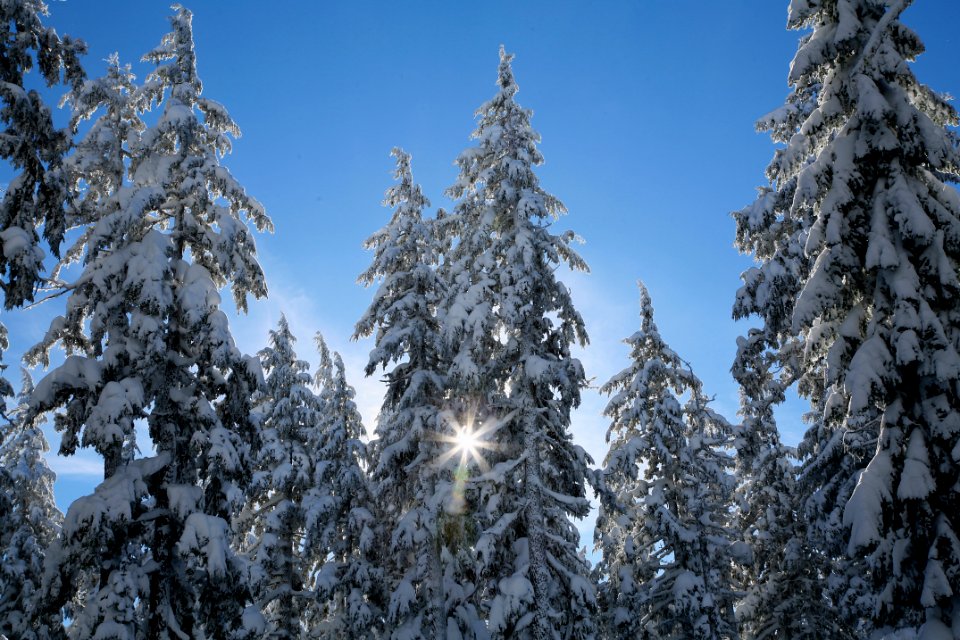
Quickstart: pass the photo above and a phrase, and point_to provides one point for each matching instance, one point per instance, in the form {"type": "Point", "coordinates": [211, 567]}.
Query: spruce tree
{"type": "Point", "coordinates": [155, 535]}
{"type": "Point", "coordinates": [35, 196]}
{"type": "Point", "coordinates": [780, 574]}
{"type": "Point", "coordinates": [781, 514]}
{"type": "Point", "coordinates": [664, 523]}
{"type": "Point", "coordinates": [282, 488]}
{"type": "Point", "coordinates": [509, 325]}
{"type": "Point", "coordinates": [101, 193]}
{"type": "Point", "coordinates": [408, 483]}
{"type": "Point", "coordinates": [30, 521]}
{"type": "Point", "coordinates": [340, 530]}
{"type": "Point", "coordinates": [864, 176]}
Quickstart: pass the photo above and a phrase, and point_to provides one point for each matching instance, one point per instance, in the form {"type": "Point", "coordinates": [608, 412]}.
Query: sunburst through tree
{"type": "Point", "coordinates": [467, 439]}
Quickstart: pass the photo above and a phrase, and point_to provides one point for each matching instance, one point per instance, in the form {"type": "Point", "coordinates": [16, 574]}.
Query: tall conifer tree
{"type": "Point", "coordinates": [30, 522]}
{"type": "Point", "coordinates": [341, 531]}
{"type": "Point", "coordinates": [509, 325]}
{"type": "Point", "coordinates": [664, 524]}
{"type": "Point", "coordinates": [409, 483]}
{"type": "Point", "coordinates": [157, 530]}
{"type": "Point", "coordinates": [33, 199]}
{"type": "Point", "coordinates": [283, 490]}
{"type": "Point", "coordinates": [873, 269]}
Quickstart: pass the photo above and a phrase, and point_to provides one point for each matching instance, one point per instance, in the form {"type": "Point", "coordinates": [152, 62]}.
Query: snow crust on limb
{"type": "Point", "coordinates": [864, 178]}
{"type": "Point", "coordinates": [166, 229]}
{"type": "Point", "coordinates": [508, 325]}
{"type": "Point", "coordinates": [664, 527]}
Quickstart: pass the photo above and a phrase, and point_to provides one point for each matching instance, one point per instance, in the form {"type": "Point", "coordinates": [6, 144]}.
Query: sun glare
{"type": "Point", "coordinates": [469, 439]}
{"type": "Point", "coordinates": [466, 441]}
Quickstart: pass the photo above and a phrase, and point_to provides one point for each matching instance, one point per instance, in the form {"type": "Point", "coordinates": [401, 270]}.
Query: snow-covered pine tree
{"type": "Point", "coordinates": [283, 481]}
{"type": "Point", "coordinates": [408, 483]}
{"type": "Point", "coordinates": [780, 575]}
{"type": "Point", "coordinates": [510, 324]}
{"type": "Point", "coordinates": [664, 523]}
{"type": "Point", "coordinates": [30, 522]}
{"type": "Point", "coordinates": [158, 347]}
{"type": "Point", "coordinates": [99, 413]}
{"type": "Point", "coordinates": [780, 516]}
{"type": "Point", "coordinates": [876, 311]}
{"type": "Point", "coordinates": [35, 197]}
{"type": "Point", "coordinates": [341, 531]}
{"type": "Point", "coordinates": [97, 174]}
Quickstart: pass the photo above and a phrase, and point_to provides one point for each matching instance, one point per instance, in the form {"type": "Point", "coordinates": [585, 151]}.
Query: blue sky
{"type": "Point", "coordinates": [646, 108]}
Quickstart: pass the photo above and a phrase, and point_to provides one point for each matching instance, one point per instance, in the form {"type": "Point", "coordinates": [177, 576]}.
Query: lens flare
{"type": "Point", "coordinates": [467, 439]}
{"type": "Point", "coordinates": [467, 443]}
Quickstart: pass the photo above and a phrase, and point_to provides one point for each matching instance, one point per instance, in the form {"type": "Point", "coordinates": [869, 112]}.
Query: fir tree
{"type": "Point", "coordinates": [283, 483]}
{"type": "Point", "coordinates": [340, 524]}
{"type": "Point", "coordinates": [781, 516]}
{"type": "Point", "coordinates": [31, 144]}
{"type": "Point", "coordinates": [34, 198]}
{"type": "Point", "coordinates": [407, 480]}
{"type": "Point", "coordinates": [780, 574]}
{"type": "Point", "coordinates": [30, 522]}
{"type": "Point", "coordinates": [159, 348]}
{"type": "Point", "coordinates": [866, 167]}
{"type": "Point", "coordinates": [509, 325]}
{"type": "Point", "coordinates": [664, 525]}
{"type": "Point", "coordinates": [97, 172]}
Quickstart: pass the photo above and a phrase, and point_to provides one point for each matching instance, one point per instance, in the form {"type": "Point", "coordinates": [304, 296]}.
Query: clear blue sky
{"type": "Point", "coordinates": [646, 108]}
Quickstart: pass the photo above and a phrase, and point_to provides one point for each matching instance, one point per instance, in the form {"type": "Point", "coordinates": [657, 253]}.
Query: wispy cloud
{"type": "Point", "coordinates": [80, 465]}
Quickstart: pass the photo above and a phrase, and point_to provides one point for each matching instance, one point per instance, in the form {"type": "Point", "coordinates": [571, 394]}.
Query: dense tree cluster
{"type": "Point", "coordinates": [242, 498]}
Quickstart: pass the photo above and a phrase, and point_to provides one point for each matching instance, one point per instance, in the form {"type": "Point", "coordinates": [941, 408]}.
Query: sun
{"type": "Point", "coordinates": [470, 438]}
{"type": "Point", "coordinates": [466, 441]}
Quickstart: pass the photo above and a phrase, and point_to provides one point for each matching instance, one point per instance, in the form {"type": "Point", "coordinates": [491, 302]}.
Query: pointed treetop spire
{"type": "Point", "coordinates": [403, 163]}
{"type": "Point", "coordinates": [325, 369]}
{"type": "Point", "coordinates": [178, 44]}
{"type": "Point", "coordinates": [646, 308]}
{"type": "Point", "coordinates": [283, 327]}
{"type": "Point", "coordinates": [505, 73]}
{"type": "Point", "coordinates": [406, 191]}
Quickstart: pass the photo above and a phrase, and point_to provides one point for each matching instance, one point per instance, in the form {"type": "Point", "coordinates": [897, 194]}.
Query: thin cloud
{"type": "Point", "coordinates": [76, 466]}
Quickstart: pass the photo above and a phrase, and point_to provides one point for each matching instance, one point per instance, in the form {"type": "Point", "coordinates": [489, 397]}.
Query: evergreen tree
{"type": "Point", "coordinates": [509, 325]}
{"type": "Point", "coordinates": [283, 482]}
{"type": "Point", "coordinates": [664, 518]}
{"type": "Point", "coordinates": [34, 198]}
{"type": "Point", "coordinates": [780, 574]}
{"type": "Point", "coordinates": [31, 144]}
{"type": "Point", "coordinates": [159, 348]}
{"type": "Point", "coordinates": [340, 525]}
{"type": "Point", "coordinates": [875, 315]}
{"type": "Point", "coordinates": [408, 483]}
{"type": "Point", "coordinates": [97, 172]}
{"type": "Point", "coordinates": [782, 516]}
{"type": "Point", "coordinates": [30, 521]}
{"type": "Point", "coordinates": [99, 413]}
